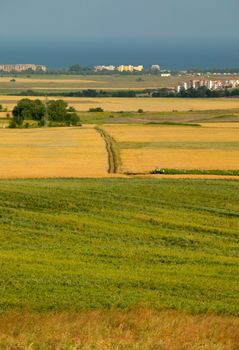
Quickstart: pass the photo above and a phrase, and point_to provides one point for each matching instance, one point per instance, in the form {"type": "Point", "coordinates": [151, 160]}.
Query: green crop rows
{"type": "Point", "coordinates": [77, 244]}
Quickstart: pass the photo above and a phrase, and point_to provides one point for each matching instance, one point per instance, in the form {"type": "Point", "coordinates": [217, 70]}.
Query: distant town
{"type": "Point", "coordinates": [22, 68]}
{"type": "Point", "coordinates": [121, 68]}
{"type": "Point", "coordinates": [155, 68]}
{"type": "Point", "coordinates": [209, 84]}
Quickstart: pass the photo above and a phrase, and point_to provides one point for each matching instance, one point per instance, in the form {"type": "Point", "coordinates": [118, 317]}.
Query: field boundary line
{"type": "Point", "coordinates": [114, 161]}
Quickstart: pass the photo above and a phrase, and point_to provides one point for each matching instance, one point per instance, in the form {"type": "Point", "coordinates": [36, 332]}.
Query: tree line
{"type": "Point", "coordinates": [82, 93]}
{"type": "Point", "coordinates": [201, 92]}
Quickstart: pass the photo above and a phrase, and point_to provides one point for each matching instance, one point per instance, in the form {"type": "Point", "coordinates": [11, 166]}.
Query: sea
{"type": "Point", "coordinates": [168, 53]}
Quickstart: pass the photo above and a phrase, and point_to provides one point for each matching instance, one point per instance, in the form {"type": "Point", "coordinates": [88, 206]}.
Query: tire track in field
{"type": "Point", "coordinates": [113, 155]}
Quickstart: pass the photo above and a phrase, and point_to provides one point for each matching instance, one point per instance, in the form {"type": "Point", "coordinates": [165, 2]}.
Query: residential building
{"type": "Point", "coordinates": [22, 68]}
{"type": "Point", "coordinates": [130, 68]}
{"type": "Point", "coordinates": [209, 84]}
{"type": "Point", "coordinates": [109, 68]}
{"type": "Point", "coordinates": [155, 68]}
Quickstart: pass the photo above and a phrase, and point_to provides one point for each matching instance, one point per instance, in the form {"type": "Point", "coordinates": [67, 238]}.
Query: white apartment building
{"type": "Point", "coordinates": [110, 68]}
{"type": "Point", "coordinates": [209, 84]}
{"type": "Point", "coordinates": [155, 67]}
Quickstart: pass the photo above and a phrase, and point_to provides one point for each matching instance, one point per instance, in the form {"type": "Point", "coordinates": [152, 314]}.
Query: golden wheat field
{"type": "Point", "coordinates": [146, 160]}
{"type": "Point", "coordinates": [142, 148]}
{"type": "Point", "coordinates": [46, 80]}
{"type": "Point", "coordinates": [133, 104]}
{"type": "Point", "coordinates": [159, 133]}
{"type": "Point", "coordinates": [55, 152]}
{"type": "Point", "coordinates": [233, 125]}
{"type": "Point", "coordinates": [114, 329]}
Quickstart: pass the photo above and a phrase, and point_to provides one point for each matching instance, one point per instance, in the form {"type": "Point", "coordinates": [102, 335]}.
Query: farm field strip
{"type": "Point", "coordinates": [86, 82]}
{"type": "Point", "coordinates": [99, 81]}
{"type": "Point", "coordinates": [231, 145]}
{"type": "Point", "coordinates": [54, 152]}
{"type": "Point", "coordinates": [98, 243]}
{"type": "Point", "coordinates": [168, 133]}
{"type": "Point", "coordinates": [139, 328]}
{"type": "Point", "coordinates": [145, 160]}
{"type": "Point", "coordinates": [133, 104]}
{"type": "Point", "coordinates": [143, 148]}
{"type": "Point", "coordinates": [233, 125]}
{"type": "Point", "coordinates": [45, 80]}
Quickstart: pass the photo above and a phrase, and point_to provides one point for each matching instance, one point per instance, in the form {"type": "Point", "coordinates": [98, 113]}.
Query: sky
{"type": "Point", "coordinates": [172, 33]}
{"type": "Point", "coordinates": [119, 19]}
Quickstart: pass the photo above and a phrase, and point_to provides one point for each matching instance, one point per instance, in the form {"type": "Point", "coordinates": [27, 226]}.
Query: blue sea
{"type": "Point", "coordinates": [171, 54]}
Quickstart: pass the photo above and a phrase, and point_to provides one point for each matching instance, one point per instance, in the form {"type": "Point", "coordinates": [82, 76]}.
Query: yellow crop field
{"type": "Point", "coordinates": [232, 125]}
{"type": "Point", "coordinates": [133, 104]}
{"type": "Point", "coordinates": [145, 160]}
{"type": "Point", "coordinates": [130, 329]}
{"type": "Point", "coordinates": [46, 80]}
{"type": "Point", "coordinates": [49, 153]}
{"type": "Point", "coordinates": [159, 133]}
{"type": "Point", "coordinates": [143, 148]}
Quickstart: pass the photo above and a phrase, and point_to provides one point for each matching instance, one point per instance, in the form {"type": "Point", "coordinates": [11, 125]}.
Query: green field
{"type": "Point", "coordinates": [80, 244]}
{"type": "Point", "coordinates": [52, 83]}
{"type": "Point", "coordinates": [190, 117]}
{"type": "Point", "coordinates": [60, 82]}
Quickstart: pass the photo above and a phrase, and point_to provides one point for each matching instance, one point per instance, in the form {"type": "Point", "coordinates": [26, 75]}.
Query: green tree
{"type": "Point", "coordinates": [29, 109]}
{"type": "Point", "coordinates": [74, 119]}
{"type": "Point", "coordinates": [57, 111]}
{"type": "Point", "coordinates": [16, 122]}
{"type": "Point", "coordinates": [71, 109]}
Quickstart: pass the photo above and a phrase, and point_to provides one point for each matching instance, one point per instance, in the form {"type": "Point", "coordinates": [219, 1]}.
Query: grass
{"type": "Point", "coordinates": [167, 171]}
{"type": "Point", "coordinates": [173, 124]}
{"type": "Point", "coordinates": [98, 244]}
{"type": "Point", "coordinates": [203, 172]}
{"type": "Point", "coordinates": [175, 118]}
{"type": "Point", "coordinates": [136, 329]}
{"type": "Point", "coordinates": [115, 81]}
{"type": "Point", "coordinates": [70, 82]}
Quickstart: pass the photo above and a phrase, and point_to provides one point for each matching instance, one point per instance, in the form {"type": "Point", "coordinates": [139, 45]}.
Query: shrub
{"type": "Point", "coordinates": [74, 119]}
{"type": "Point", "coordinates": [12, 124]}
{"type": "Point", "coordinates": [97, 109]}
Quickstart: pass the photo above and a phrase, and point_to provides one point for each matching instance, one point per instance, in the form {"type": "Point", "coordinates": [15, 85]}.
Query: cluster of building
{"type": "Point", "coordinates": [121, 68]}
{"type": "Point", "coordinates": [209, 84]}
{"type": "Point", "coordinates": [130, 68]}
{"type": "Point", "coordinates": [22, 68]}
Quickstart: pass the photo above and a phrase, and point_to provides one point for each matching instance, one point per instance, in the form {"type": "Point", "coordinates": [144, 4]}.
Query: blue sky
{"type": "Point", "coordinates": [114, 19]}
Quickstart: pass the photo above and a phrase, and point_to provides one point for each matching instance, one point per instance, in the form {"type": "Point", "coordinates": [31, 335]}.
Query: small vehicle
{"type": "Point", "coordinates": [158, 171]}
